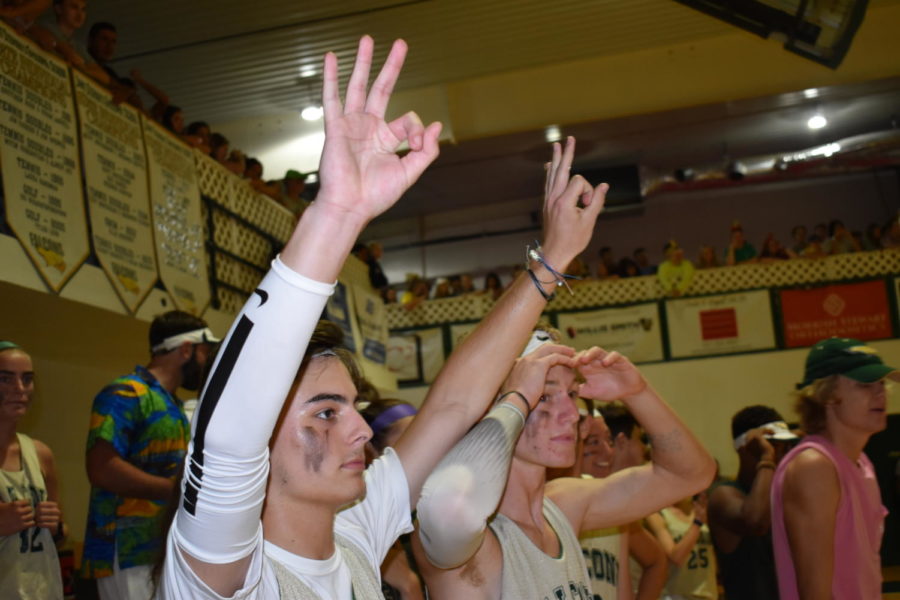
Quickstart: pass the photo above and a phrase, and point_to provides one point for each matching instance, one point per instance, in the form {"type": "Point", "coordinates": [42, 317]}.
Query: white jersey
{"type": "Point", "coordinates": [606, 554]}
{"type": "Point", "coordinates": [29, 564]}
{"type": "Point", "coordinates": [371, 525]}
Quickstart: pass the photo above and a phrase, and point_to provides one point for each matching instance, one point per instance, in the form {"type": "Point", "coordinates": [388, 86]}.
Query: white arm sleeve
{"type": "Point", "coordinates": [466, 487]}
{"type": "Point", "coordinates": [224, 485]}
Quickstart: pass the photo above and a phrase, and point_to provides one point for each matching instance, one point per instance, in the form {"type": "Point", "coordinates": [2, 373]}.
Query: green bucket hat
{"type": "Point", "coordinates": [848, 357]}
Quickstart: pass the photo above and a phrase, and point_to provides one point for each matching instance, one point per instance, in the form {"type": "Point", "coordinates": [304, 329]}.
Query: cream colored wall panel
{"type": "Point", "coordinates": [16, 267]}
{"type": "Point", "coordinates": [90, 285]}
{"type": "Point", "coordinates": [156, 303]}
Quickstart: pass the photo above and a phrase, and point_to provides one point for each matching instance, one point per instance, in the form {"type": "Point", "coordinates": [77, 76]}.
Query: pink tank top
{"type": "Point", "coordinates": [859, 526]}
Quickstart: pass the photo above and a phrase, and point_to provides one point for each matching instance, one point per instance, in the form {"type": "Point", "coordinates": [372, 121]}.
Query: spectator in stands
{"type": "Point", "coordinates": [608, 260]}
{"type": "Point", "coordinates": [389, 418]}
{"type": "Point", "coordinates": [376, 274]}
{"type": "Point", "coordinates": [740, 509]}
{"type": "Point", "coordinates": [840, 240]}
{"type": "Point", "coordinates": [236, 162]}
{"type": "Point", "coordinates": [201, 130]}
{"type": "Point", "coordinates": [197, 135]}
{"type": "Point", "coordinates": [173, 119]}
{"type": "Point", "coordinates": [460, 285]}
{"type": "Point", "coordinates": [253, 172]}
{"type": "Point", "coordinates": [292, 187]}
{"type": "Point", "coordinates": [441, 288]}
{"type": "Point", "coordinates": [872, 241]}
{"type": "Point", "coordinates": [389, 295]}
{"type": "Point", "coordinates": [821, 230]}
{"type": "Point", "coordinates": [676, 272]}
{"type": "Point", "coordinates": [798, 239]}
{"type": "Point", "coordinates": [684, 535]}
{"type": "Point", "coordinates": [22, 14]}
{"type": "Point", "coordinates": [891, 236]}
{"type": "Point", "coordinates": [56, 33]}
{"type": "Point", "coordinates": [492, 285]}
{"type": "Point", "coordinates": [814, 248]}
{"type": "Point", "coordinates": [640, 257]}
{"type": "Point", "coordinates": [607, 551]}
{"type": "Point", "coordinates": [627, 268]}
{"type": "Point", "coordinates": [218, 147]}
{"type": "Point", "coordinates": [707, 259]}
{"type": "Point", "coordinates": [578, 268]}
{"type": "Point", "coordinates": [416, 292]}
{"type": "Point", "coordinates": [739, 249]}
{"type": "Point", "coordinates": [30, 518]}
{"type": "Point", "coordinates": [773, 251]}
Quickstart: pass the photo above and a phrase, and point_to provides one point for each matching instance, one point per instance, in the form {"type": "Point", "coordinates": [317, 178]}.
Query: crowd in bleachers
{"type": "Point", "coordinates": [57, 27]}
{"type": "Point", "coordinates": [675, 271]}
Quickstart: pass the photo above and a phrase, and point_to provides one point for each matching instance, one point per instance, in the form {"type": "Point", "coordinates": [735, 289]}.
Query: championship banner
{"type": "Point", "coordinates": [372, 320]}
{"type": "Point", "coordinates": [852, 310]}
{"type": "Point", "coordinates": [725, 324]}
{"type": "Point", "coordinates": [633, 331]}
{"type": "Point", "coordinates": [337, 310]}
{"type": "Point", "coordinates": [416, 356]}
{"type": "Point", "coordinates": [177, 218]}
{"type": "Point", "coordinates": [115, 174]}
{"type": "Point", "coordinates": [39, 160]}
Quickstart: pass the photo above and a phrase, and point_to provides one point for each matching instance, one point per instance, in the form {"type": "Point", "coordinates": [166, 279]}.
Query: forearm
{"type": "Point", "coordinates": [466, 487]}
{"type": "Point", "coordinates": [647, 551]}
{"type": "Point", "coordinates": [652, 581]}
{"type": "Point", "coordinates": [756, 512]}
{"type": "Point", "coordinates": [117, 475]}
{"type": "Point", "coordinates": [675, 449]}
{"type": "Point", "coordinates": [227, 467]}
{"type": "Point", "coordinates": [681, 551]}
{"type": "Point", "coordinates": [158, 95]}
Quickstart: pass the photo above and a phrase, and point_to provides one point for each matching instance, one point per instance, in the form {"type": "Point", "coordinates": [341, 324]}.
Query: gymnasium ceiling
{"type": "Point", "coordinates": [249, 67]}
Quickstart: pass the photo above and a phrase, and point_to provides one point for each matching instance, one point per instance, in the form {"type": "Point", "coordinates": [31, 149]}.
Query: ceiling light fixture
{"type": "Point", "coordinates": [817, 122]}
{"type": "Point", "coordinates": [307, 71]}
{"type": "Point", "coordinates": [552, 134]}
{"type": "Point", "coordinates": [312, 113]}
{"type": "Point", "coordinates": [811, 93]}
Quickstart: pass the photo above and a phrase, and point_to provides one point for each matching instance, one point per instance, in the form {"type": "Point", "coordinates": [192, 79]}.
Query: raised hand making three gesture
{"type": "Point", "coordinates": [361, 173]}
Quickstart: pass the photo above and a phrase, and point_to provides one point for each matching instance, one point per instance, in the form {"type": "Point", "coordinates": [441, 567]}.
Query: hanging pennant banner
{"type": "Point", "coordinates": [724, 324]}
{"type": "Point", "coordinates": [39, 159]}
{"type": "Point", "coordinates": [177, 218]}
{"type": "Point", "coordinates": [633, 331]}
{"type": "Point", "coordinates": [853, 310]}
{"type": "Point", "coordinates": [372, 320]}
{"type": "Point", "coordinates": [115, 175]}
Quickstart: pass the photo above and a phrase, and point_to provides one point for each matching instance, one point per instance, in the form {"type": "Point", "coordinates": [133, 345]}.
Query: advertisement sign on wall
{"type": "Point", "coordinates": [724, 324]}
{"type": "Point", "coordinates": [416, 356]}
{"type": "Point", "coordinates": [372, 320]}
{"type": "Point", "coordinates": [633, 331]}
{"type": "Point", "coordinates": [854, 310]}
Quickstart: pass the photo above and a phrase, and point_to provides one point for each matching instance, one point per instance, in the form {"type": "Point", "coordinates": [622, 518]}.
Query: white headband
{"type": "Point", "coordinates": [197, 336]}
{"type": "Point", "coordinates": [779, 431]}
{"type": "Point", "coordinates": [538, 338]}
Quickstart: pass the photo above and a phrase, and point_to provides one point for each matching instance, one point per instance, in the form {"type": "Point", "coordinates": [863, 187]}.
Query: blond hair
{"type": "Point", "coordinates": [810, 403]}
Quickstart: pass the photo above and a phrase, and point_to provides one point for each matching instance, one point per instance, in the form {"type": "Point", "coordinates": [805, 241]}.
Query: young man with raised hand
{"type": "Point", "coordinates": [277, 423]}
{"type": "Point", "coordinates": [491, 526]}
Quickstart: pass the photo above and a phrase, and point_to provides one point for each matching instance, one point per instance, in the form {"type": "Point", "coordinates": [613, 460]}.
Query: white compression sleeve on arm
{"type": "Point", "coordinates": [227, 464]}
{"type": "Point", "coordinates": [465, 488]}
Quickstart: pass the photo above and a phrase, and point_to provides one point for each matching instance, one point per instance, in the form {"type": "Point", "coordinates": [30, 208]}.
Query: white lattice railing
{"type": "Point", "coordinates": [590, 294]}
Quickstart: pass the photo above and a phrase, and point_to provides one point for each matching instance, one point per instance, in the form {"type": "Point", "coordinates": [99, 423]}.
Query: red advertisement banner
{"type": "Point", "coordinates": [853, 310]}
